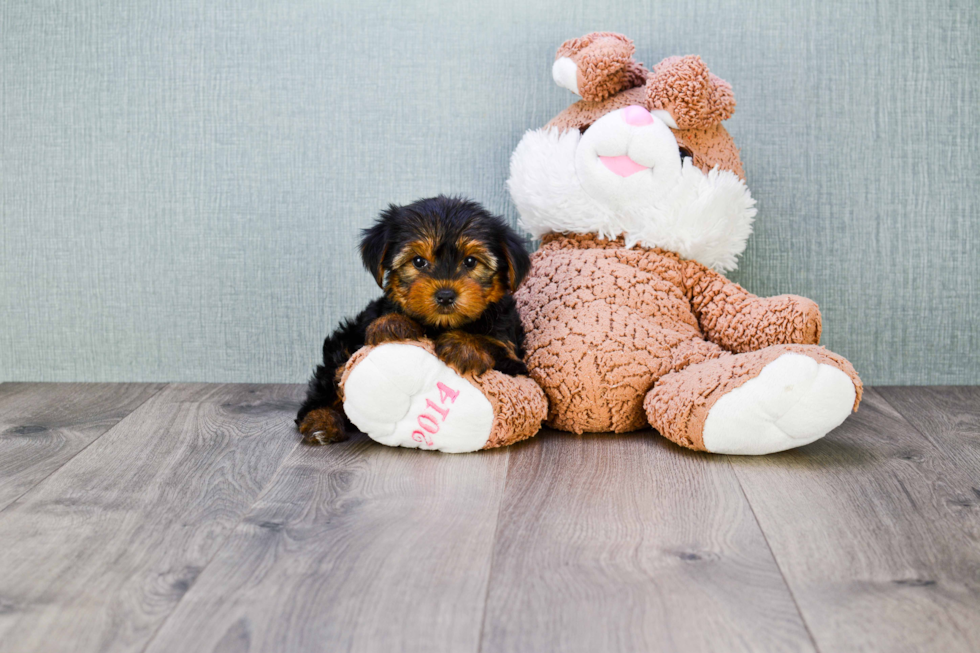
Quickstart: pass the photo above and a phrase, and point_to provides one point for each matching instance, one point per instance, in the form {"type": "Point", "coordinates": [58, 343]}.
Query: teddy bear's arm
{"type": "Point", "coordinates": [740, 322]}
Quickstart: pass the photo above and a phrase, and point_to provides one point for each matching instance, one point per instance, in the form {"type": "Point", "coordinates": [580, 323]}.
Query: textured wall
{"type": "Point", "coordinates": [181, 183]}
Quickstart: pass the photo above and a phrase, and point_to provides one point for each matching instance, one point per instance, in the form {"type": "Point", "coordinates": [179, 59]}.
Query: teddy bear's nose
{"type": "Point", "coordinates": [637, 116]}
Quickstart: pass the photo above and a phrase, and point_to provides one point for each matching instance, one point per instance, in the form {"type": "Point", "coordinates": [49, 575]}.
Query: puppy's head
{"type": "Point", "coordinates": [444, 259]}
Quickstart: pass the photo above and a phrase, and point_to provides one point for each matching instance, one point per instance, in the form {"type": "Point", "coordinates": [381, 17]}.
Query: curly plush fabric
{"type": "Point", "coordinates": [604, 63]}
{"type": "Point", "coordinates": [519, 407]}
{"type": "Point", "coordinates": [605, 323]}
{"type": "Point", "coordinates": [741, 322]}
{"type": "Point", "coordinates": [692, 95]}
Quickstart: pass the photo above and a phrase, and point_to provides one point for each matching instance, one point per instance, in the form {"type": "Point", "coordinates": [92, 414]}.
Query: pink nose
{"type": "Point", "coordinates": [637, 116]}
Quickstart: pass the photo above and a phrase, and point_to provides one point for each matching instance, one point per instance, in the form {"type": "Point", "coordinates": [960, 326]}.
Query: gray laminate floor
{"type": "Point", "coordinates": [187, 518]}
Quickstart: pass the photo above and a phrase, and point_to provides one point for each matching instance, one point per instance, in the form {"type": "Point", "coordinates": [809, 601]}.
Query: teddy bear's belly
{"type": "Point", "coordinates": [596, 357]}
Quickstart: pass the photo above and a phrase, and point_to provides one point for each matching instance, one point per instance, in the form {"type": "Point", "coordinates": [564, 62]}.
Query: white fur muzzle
{"type": "Point", "coordinates": [562, 182]}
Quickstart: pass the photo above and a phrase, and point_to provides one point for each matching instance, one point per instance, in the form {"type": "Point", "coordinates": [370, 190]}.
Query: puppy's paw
{"type": "Point", "coordinates": [464, 352]}
{"type": "Point", "coordinates": [511, 367]}
{"type": "Point", "coordinates": [323, 426]}
{"type": "Point", "coordinates": [391, 327]}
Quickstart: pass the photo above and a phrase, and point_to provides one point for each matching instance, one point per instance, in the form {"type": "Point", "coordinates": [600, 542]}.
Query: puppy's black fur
{"type": "Point", "coordinates": [450, 246]}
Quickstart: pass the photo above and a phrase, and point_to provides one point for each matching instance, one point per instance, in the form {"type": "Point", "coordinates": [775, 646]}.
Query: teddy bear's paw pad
{"type": "Point", "coordinates": [794, 401]}
{"type": "Point", "coordinates": [403, 396]}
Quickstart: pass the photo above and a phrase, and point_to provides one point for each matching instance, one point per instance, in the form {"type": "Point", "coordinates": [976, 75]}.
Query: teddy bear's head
{"type": "Point", "coordinates": [642, 156]}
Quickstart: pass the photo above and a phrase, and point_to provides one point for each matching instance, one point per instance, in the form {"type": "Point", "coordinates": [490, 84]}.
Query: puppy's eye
{"type": "Point", "coordinates": [685, 153]}
{"type": "Point", "coordinates": [469, 262]}
{"type": "Point", "coordinates": [419, 262]}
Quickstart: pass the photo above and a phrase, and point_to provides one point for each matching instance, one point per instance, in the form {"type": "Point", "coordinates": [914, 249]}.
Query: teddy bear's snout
{"type": "Point", "coordinates": [637, 116]}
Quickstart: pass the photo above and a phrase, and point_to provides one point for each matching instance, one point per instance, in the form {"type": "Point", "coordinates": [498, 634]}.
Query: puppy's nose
{"type": "Point", "coordinates": [637, 116]}
{"type": "Point", "coordinates": [445, 296]}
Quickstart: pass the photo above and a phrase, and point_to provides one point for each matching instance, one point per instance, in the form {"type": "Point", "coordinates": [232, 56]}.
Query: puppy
{"type": "Point", "coordinates": [448, 268]}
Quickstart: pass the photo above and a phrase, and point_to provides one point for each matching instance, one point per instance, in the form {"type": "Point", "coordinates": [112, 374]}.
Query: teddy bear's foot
{"type": "Point", "coordinates": [794, 401]}
{"type": "Point", "coordinates": [402, 395]}
{"type": "Point", "coordinates": [761, 402]}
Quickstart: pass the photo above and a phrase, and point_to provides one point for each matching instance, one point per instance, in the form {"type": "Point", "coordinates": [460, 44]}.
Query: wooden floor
{"type": "Point", "coordinates": [187, 518]}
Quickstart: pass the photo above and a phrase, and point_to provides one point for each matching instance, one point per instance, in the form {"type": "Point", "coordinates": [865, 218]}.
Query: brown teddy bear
{"type": "Point", "coordinates": [638, 194]}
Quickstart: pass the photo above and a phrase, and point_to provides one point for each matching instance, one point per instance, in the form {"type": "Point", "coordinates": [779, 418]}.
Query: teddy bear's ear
{"type": "Point", "coordinates": [597, 66]}
{"type": "Point", "coordinates": [683, 87]}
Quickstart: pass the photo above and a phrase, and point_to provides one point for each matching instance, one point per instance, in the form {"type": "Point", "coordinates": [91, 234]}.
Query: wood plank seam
{"type": "Point", "coordinates": [73, 456]}
{"type": "Point", "coordinates": [944, 452]}
{"type": "Point", "coordinates": [925, 436]}
{"type": "Point", "coordinates": [779, 567]}
{"type": "Point", "coordinates": [493, 546]}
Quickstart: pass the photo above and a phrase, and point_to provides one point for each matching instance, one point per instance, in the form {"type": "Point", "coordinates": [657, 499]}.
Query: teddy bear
{"type": "Point", "coordinates": [638, 195]}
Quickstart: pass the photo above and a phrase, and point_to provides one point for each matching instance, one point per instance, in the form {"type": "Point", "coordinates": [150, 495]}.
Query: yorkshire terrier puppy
{"type": "Point", "coordinates": [448, 269]}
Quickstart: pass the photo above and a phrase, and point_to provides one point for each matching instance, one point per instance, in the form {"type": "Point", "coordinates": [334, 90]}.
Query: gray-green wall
{"type": "Point", "coordinates": [182, 183]}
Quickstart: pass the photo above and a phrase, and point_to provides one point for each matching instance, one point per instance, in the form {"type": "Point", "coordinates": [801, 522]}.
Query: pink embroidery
{"type": "Point", "coordinates": [432, 420]}
{"type": "Point", "coordinates": [442, 411]}
{"type": "Point", "coordinates": [428, 423]}
{"type": "Point", "coordinates": [446, 391]}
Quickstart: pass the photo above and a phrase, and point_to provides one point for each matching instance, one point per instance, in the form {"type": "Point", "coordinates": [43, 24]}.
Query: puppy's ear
{"type": "Point", "coordinates": [518, 261]}
{"type": "Point", "coordinates": [374, 244]}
